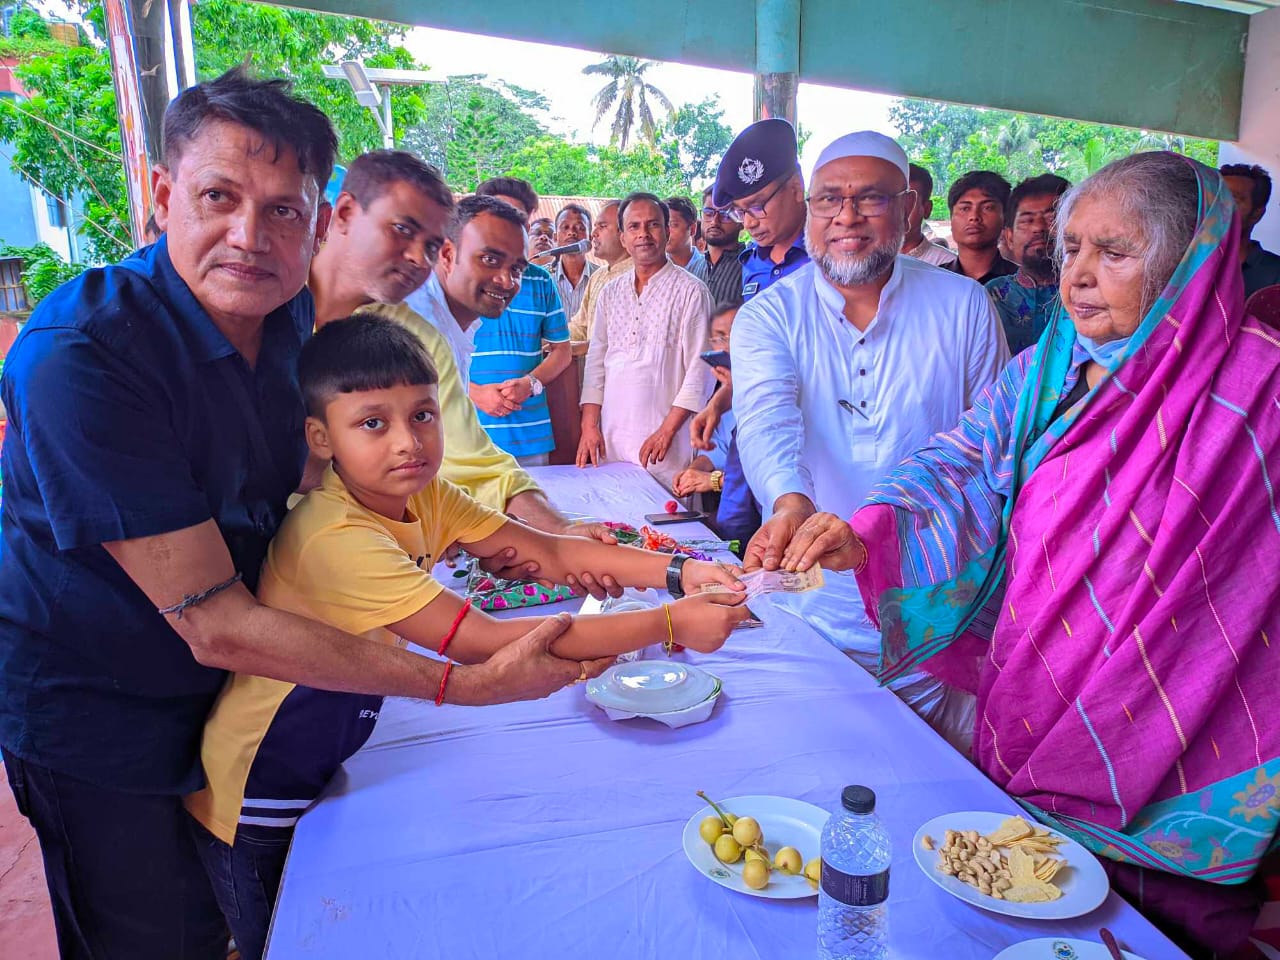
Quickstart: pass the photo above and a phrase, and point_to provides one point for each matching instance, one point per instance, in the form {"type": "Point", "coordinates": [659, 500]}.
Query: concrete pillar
{"type": "Point", "coordinates": [1260, 117]}
{"type": "Point", "coordinates": [777, 58]}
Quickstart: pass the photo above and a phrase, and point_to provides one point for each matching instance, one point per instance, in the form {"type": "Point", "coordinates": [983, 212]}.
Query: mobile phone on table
{"type": "Point", "coordinates": [680, 516]}
{"type": "Point", "coordinates": [717, 358]}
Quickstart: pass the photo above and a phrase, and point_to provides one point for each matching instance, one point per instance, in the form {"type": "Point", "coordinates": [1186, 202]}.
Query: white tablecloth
{"type": "Point", "coordinates": [543, 830]}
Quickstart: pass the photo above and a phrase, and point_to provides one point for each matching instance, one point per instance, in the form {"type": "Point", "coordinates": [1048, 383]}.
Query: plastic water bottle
{"type": "Point", "coordinates": [853, 921]}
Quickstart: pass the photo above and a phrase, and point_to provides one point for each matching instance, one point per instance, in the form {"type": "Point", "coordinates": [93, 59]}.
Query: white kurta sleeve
{"type": "Point", "coordinates": [766, 401]}
{"type": "Point", "coordinates": [593, 371]}
{"type": "Point", "coordinates": [694, 325]}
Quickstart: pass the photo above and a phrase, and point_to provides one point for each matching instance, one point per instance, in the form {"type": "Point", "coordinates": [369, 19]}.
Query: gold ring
{"type": "Point", "coordinates": [582, 677]}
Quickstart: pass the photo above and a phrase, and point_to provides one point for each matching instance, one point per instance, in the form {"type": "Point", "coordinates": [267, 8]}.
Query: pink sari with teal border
{"type": "Point", "coordinates": [1108, 582]}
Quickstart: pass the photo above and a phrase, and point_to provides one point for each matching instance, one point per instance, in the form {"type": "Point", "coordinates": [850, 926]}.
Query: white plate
{"type": "Point", "coordinates": [1059, 948]}
{"type": "Point", "coordinates": [675, 718]}
{"type": "Point", "coordinates": [1084, 883]}
{"type": "Point", "coordinates": [785, 823]}
{"type": "Point", "coordinates": [651, 686]}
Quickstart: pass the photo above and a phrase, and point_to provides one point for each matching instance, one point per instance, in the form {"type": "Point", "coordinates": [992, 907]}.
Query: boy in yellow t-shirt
{"type": "Point", "coordinates": [357, 553]}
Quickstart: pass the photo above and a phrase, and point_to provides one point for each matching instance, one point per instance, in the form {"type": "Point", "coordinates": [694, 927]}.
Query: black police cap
{"type": "Point", "coordinates": [762, 153]}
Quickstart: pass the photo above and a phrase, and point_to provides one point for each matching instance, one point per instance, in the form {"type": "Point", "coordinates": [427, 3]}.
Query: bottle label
{"type": "Point", "coordinates": [855, 891]}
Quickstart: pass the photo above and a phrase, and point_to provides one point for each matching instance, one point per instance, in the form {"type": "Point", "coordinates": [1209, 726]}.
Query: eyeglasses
{"type": "Point", "coordinates": [756, 210]}
{"type": "Point", "coordinates": [829, 205]}
{"type": "Point", "coordinates": [718, 338]}
{"type": "Point", "coordinates": [710, 213]}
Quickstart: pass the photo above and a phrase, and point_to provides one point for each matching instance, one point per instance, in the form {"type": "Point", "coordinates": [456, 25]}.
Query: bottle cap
{"type": "Point", "coordinates": [858, 799]}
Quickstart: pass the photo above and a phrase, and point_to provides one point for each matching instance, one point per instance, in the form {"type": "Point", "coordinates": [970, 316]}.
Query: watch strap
{"type": "Point", "coordinates": [674, 569]}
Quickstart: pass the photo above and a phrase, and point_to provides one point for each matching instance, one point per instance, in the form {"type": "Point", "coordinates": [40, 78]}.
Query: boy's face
{"type": "Point", "coordinates": [721, 326]}
{"type": "Point", "coordinates": [386, 444]}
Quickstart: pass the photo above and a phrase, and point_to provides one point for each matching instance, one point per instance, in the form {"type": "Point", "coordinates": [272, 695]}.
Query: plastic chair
{"type": "Point", "coordinates": [1265, 305]}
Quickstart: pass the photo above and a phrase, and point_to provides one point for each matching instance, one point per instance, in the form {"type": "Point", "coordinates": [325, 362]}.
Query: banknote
{"type": "Point", "coordinates": [774, 581]}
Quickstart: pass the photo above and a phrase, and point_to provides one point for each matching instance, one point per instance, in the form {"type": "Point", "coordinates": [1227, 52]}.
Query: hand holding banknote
{"type": "Point", "coordinates": [775, 581]}
{"type": "Point", "coordinates": [827, 540]}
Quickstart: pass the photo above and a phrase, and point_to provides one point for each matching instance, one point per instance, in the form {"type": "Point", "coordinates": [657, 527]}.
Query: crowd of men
{"type": "Point", "coordinates": [654, 365]}
{"type": "Point", "coordinates": [156, 428]}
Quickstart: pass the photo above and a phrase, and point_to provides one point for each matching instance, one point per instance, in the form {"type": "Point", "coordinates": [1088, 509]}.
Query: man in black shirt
{"type": "Point", "coordinates": [721, 269]}
{"type": "Point", "coordinates": [977, 201]}
{"type": "Point", "coordinates": [1251, 187]}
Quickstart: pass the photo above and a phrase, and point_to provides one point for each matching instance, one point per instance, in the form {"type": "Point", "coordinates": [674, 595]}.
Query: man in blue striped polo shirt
{"type": "Point", "coordinates": [508, 368]}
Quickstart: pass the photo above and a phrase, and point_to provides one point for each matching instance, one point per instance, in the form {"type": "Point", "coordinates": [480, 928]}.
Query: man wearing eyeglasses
{"type": "Point", "coordinates": [759, 186]}
{"type": "Point", "coordinates": [720, 269]}
{"type": "Point", "coordinates": [846, 366]}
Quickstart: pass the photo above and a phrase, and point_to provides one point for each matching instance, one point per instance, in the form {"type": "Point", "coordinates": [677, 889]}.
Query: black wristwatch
{"type": "Point", "coordinates": [673, 575]}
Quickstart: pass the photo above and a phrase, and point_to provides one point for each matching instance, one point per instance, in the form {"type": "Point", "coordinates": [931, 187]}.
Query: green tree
{"type": "Point", "coordinates": [503, 117]}
{"type": "Point", "coordinates": [478, 150]}
{"type": "Point", "coordinates": [694, 138]}
{"type": "Point", "coordinates": [43, 269]}
{"type": "Point", "coordinates": [630, 92]}
{"type": "Point", "coordinates": [560, 168]}
{"type": "Point", "coordinates": [283, 42]}
{"type": "Point", "coordinates": [949, 140]}
{"type": "Point", "coordinates": [65, 138]}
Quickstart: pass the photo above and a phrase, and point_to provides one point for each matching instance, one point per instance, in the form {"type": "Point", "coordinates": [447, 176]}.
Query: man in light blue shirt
{"type": "Point", "coordinates": [846, 366]}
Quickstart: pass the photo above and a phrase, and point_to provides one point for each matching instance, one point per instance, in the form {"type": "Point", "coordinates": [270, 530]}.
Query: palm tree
{"type": "Point", "coordinates": [630, 91]}
{"type": "Point", "coordinates": [1084, 161]}
{"type": "Point", "coordinates": [1016, 142]}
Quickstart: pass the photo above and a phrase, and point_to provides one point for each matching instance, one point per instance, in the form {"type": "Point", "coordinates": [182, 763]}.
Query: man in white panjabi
{"type": "Point", "coordinates": [845, 367]}
{"type": "Point", "coordinates": [644, 374]}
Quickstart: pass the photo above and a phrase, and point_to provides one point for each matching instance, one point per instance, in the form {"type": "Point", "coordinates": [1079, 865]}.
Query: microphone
{"type": "Point", "coordinates": [582, 246]}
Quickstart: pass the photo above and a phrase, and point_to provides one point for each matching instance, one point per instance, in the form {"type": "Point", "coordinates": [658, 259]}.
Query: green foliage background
{"type": "Point", "coordinates": [66, 136]}
{"type": "Point", "coordinates": [949, 140]}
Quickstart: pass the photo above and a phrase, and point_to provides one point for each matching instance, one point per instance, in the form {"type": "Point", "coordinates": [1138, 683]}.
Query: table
{"type": "Point", "coordinates": [543, 830]}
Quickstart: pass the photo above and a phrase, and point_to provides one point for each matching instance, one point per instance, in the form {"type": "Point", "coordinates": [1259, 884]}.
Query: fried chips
{"type": "Point", "coordinates": [1016, 862]}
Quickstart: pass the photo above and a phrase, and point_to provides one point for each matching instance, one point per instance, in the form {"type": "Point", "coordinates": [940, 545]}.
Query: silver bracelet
{"type": "Point", "coordinates": [195, 599]}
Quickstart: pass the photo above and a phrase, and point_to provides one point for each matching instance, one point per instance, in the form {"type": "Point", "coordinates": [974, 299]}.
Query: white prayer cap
{"type": "Point", "coordinates": [864, 143]}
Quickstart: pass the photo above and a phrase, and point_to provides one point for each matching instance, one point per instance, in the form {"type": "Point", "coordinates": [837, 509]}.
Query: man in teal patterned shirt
{"type": "Point", "coordinates": [1027, 299]}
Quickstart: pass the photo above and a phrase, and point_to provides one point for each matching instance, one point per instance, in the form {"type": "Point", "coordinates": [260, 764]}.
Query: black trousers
{"type": "Point", "coordinates": [124, 877]}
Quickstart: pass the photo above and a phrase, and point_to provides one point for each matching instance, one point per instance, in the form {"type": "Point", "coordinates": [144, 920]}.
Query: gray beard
{"type": "Point", "coordinates": [857, 271]}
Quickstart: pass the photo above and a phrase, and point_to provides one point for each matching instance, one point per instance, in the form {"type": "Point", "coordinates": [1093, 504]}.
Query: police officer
{"type": "Point", "coordinates": [759, 183]}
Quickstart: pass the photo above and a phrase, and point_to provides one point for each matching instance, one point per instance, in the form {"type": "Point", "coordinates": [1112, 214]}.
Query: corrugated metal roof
{"type": "Point", "coordinates": [550, 206]}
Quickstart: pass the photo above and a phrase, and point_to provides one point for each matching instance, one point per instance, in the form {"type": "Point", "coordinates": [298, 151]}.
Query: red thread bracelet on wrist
{"type": "Point", "coordinates": [444, 680]}
{"type": "Point", "coordinates": [453, 629]}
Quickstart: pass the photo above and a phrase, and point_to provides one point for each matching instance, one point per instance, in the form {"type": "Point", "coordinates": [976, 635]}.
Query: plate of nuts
{"type": "Point", "coordinates": [1008, 864]}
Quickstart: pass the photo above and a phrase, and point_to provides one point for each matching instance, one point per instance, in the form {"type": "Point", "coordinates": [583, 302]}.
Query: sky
{"type": "Point", "coordinates": [556, 72]}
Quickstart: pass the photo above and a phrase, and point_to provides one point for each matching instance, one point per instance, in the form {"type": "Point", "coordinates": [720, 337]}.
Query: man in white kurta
{"type": "Point", "coordinates": [845, 367]}
{"type": "Point", "coordinates": [644, 373]}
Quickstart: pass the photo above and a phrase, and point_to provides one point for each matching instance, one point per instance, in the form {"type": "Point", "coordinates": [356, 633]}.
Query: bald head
{"type": "Point", "coordinates": [606, 242]}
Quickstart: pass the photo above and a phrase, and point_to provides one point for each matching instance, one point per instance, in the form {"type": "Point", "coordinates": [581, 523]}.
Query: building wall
{"type": "Point", "coordinates": [58, 237]}
{"type": "Point", "coordinates": [17, 214]}
{"type": "Point", "coordinates": [1260, 117]}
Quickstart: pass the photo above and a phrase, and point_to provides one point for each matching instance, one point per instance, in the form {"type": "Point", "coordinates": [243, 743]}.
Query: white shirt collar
{"type": "Point", "coordinates": [831, 298]}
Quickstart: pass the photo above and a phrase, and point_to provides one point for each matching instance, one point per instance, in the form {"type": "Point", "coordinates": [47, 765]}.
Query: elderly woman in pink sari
{"type": "Point", "coordinates": [1095, 552]}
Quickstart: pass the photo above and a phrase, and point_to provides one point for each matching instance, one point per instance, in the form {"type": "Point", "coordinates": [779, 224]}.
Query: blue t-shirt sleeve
{"type": "Point", "coordinates": [96, 442]}
{"type": "Point", "coordinates": [721, 436]}
{"type": "Point", "coordinates": [555, 328]}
